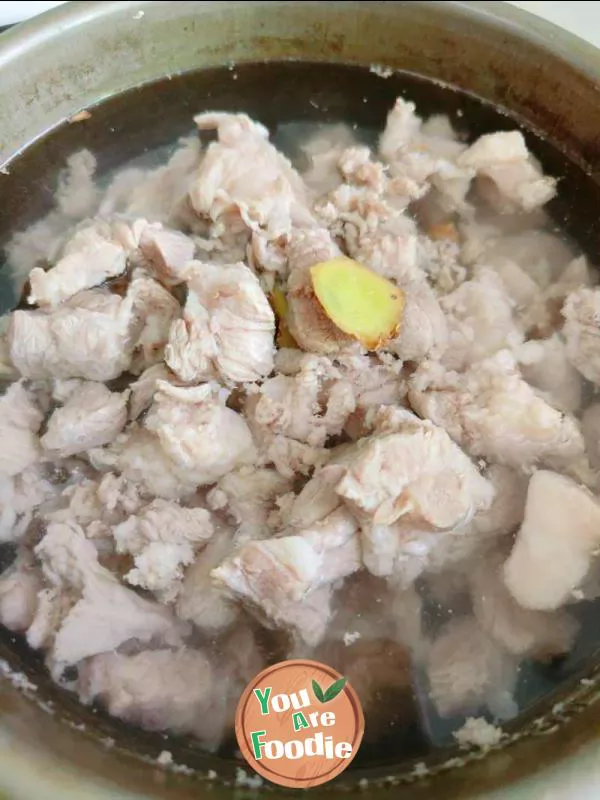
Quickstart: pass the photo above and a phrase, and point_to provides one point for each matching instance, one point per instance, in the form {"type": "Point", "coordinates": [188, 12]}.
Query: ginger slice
{"type": "Point", "coordinates": [358, 301]}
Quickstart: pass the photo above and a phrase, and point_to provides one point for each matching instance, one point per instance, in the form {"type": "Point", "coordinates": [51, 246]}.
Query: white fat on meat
{"type": "Point", "coordinates": [521, 631]}
{"type": "Point", "coordinates": [227, 327]}
{"type": "Point", "coordinates": [556, 545]}
{"type": "Point", "coordinates": [103, 502]}
{"type": "Point", "coordinates": [243, 175]}
{"type": "Point", "coordinates": [468, 671]}
{"type": "Point", "coordinates": [545, 365]}
{"type": "Point", "coordinates": [162, 538]}
{"type": "Point", "coordinates": [20, 421]}
{"type": "Point", "coordinates": [91, 417]}
{"type": "Point", "coordinates": [202, 600]}
{"type": "Point", "coordinates": [166, 253]}
{"type": "Point", "coordinates": [104, 614]}
{"type": "Point", "coordinates": [492, 412]}
{"type": "Point", "coordinates": [199, 433]}
{"type": "Point", "coordinates": [507, 176]}
{"type": "Point", "coordinates": [89, 259]}
{"type": "Point", "coordinates": [19, 587]}
{"type": "Point", "coordinates": [133, 688]}
{"type": "Point", "coordinates": [88, 336]}
{"type": "Point", "coordinates": [480, 321]}
{"type": "Point", "coordinates": [249, 496]}
{"type": "Point", "coordinates": [582, 331]}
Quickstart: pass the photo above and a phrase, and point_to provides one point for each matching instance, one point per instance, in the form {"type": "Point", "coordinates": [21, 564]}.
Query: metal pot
{"type": "Point", "coordinates": [83, 53]}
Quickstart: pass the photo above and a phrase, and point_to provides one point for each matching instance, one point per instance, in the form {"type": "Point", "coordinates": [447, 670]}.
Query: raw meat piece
{"type": "Point", "coordinates": [167, 253]}
{"type": "Point", "coordinates": [556, 544]}
{"type": "Point", "coordinates": [92, 416]}
{"type": "Point", "coordinates": [544, 364]}
{"type": "Point", "coordinates": [89, 259]}
{"type": "Point", "coordinates": [249, 496]}
{"type": "Point", "coordinates": [480, 321]}
{"type": "Point", "coordinates": [19, 587]}
{"type": "Point", "coordinates": [20, 421]}
{"type": "Point", "coordinates": [89, 336]}
{"type": "Point", "coordinates": [508, 177]}
{"type": "Point", "coordinates": [106, 614]}
{"type": "Point", "coordinates": [201, 600]}
{"type": "Point", "coordinates": [162, 537]}
{"type": "Point", "coordinates": [468, 671]}
{"type": "Point", "coordinates": [416, 475]}
{"type": "Point", "coordinates": [227, 327]}
{"type": "Point", "coordinates": [582, 331]}
{"type": "Point", "coordinates": [199, 433]}
{"type": "Point", "coordinates": [423, 330]}
{"type": "Point", "coordinates": [243, 175]}
{"type": "Point", "coordinates": [134, 689]}
{"type": "Point", "coordinates": [522, 632]}
{"type": "Point", "coordinates": [492, 412]}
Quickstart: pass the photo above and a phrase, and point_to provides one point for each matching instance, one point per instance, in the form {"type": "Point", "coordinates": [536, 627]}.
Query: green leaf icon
{"type": "Point", "coordinates": [334, 689]}
{"type": "Point", "coordinates": [318, 692]}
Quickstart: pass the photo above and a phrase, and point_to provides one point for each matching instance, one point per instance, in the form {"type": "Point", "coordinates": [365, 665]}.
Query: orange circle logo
{"type": "Point", "coordinates": [299, 724]}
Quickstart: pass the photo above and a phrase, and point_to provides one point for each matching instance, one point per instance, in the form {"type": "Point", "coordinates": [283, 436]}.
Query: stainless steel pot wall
{"type": "Point", "coordinates": [85, 52]}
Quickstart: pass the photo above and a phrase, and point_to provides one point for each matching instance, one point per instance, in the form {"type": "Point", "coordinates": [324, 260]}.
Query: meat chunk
{"type": "Point", "coordinates": [508, 177]}
{"type": "Point", "coordinates": [468, 671]}
{"type": "Point", "coordinates": [423, 330]}
{"type": "Point", "coordinates": [590, 426]}
{"type": "Point", "coordinates": [276, 575]}
{"type": "Point", "coordinates": [138, 455]}
{"type": "Point", "coordinates": [134, 689]}
{"type": "Point", "coordinates": [91, 417]}
{"type": "Point", "coordinates": [480, 321]}
{"type": "Point", "coordinates": [154, 309]}
{"type": "Point", "coordinates": [89, 258]}
{"type": "Point", "coordinates": [199, 433]}
{"type": "Point", "coordinates": [582, 331]}
{"type": "Point", "coordinates": [19, 587]}
{"type": "Point", "coordinates": [249, 497]}
{"type": "Point", "coordinates": [21, 498]}
{"type": "Point", "coordinates": [521, 631]}
{"type": "Point", "coordinates": [201, 600]}
{"type": "Point", "coordinates": [162, 538]}
{"type": "Point", "coordinates": [102, 614]}
{"type": "Point", "coordinates": [20, 421]}
{"type": "Point", "coordinates": [243, 176]}
{"type": "Point", "coordinates": [416, 475]}
{"type": "Point", "coordinates": [556, 543]}
{"type": "Point", "coordinates": [545, 365]}
{"type": "Point", "coordinates": [307, 406]}
{"type": "Point", "coordinates": [227, 327]}
{"type": "Point", "coordinates": [88, 336]}
{"type": "Point", "coordinates": [422, 156]}
{"type": "Point", "coordinates": [492, 412]}
{"type": "Point", "coordinates": [167, 253]}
